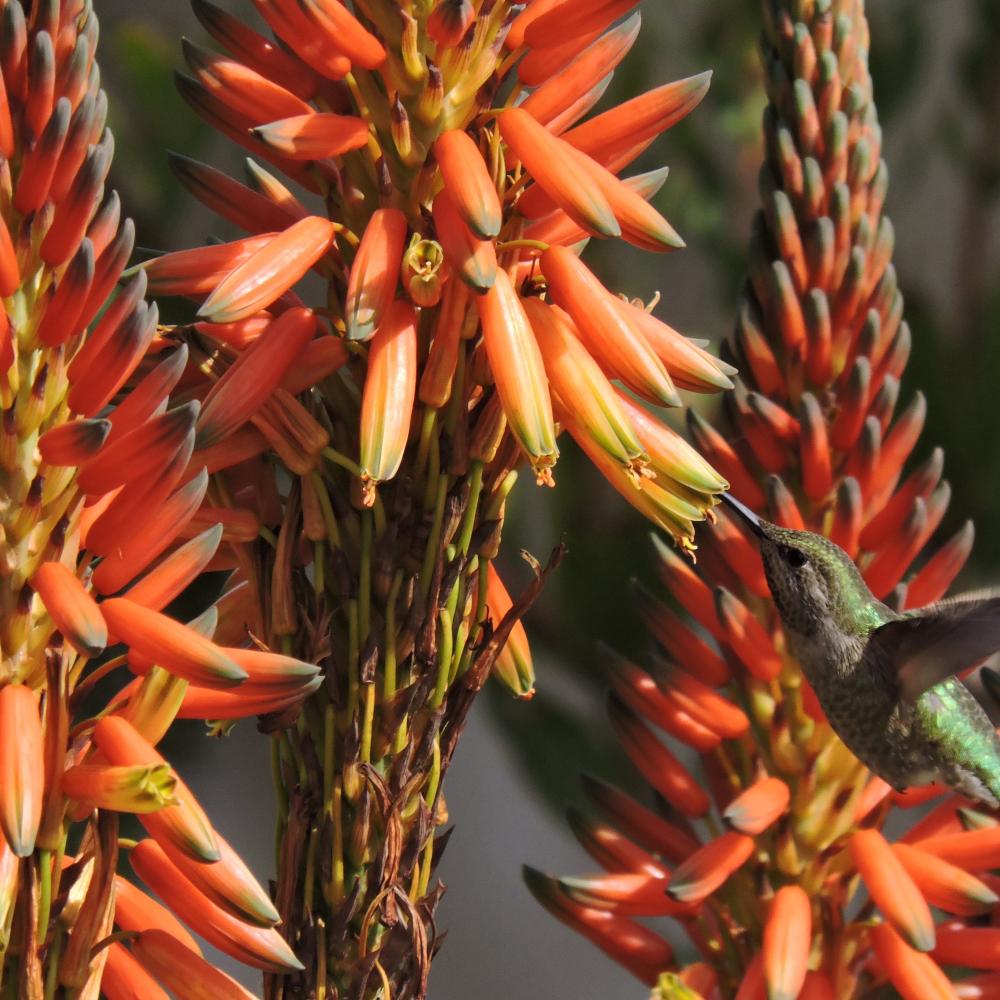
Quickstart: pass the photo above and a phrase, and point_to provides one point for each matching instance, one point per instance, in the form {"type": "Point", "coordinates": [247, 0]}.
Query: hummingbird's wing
{"type": "Point", "coordinates": [928, 646]}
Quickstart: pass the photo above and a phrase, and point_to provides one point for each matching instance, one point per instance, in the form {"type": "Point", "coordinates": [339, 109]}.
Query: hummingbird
{"type": "Point", "coordinates": [886, 679]}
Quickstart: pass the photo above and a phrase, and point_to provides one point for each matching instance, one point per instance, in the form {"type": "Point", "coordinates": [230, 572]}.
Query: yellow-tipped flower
{"type": "Point", "coordinates": [519, 372]}
{"type": "Point", "coordinates": [387, 402]}
{"type": "Point", "coordinates": [132, 788]}
{"type": "Point", "coordinates": [184, 824]}
{"type": "Point", "coordinates": [611, 339]}
{"type": "Point", "coordinates": [583, 389]}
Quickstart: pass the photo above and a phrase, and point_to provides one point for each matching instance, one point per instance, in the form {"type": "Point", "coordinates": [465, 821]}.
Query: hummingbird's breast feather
{"type": "Point", "coordinates": [944, 736]}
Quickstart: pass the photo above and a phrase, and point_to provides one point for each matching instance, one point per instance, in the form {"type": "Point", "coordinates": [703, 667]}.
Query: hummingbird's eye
{"type": "Point", "coordinates": [795, 558]}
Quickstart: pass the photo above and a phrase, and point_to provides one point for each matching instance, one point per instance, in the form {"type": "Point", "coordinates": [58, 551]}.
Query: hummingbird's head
{"type": "Point", "coordinates": [814, 582]}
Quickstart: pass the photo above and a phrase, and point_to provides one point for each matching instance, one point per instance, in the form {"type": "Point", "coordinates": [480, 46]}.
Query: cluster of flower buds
{"type": "Point", "coordinates": [775, 860]}
{"type": "Point", "coordinates": [100, 495]}
{"type": "Point", "coordinates": [438, 187]}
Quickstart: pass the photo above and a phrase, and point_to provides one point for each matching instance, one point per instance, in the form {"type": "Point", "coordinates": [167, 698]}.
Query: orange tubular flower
{"type": "Point", "coordinates": [627, 942]}
{"type": "Point", "coordinates": [387, 402]}
{"type": "Point", "coordinates": [892, 889]}
{"type": "Point", "coordinates": [267, 274]}
{"type": "Point", "coordinates": [468, 184]}
{"type": "Point", "coordinates": [314, 136]}
{"type": "Point", "coordinates": [74, 612]}
{"type": "Point", "coordinates": [199, 271]}
{"type": "Point", "coordinates": [915, 975]}
{"type": "Point", "coordinates": [183, 824]}
{"type": "Point", "coordinates": [474, 259]}
{"type": "Point", "coordinates": [709, 867]}
{"type": "Point", "coordinates": [945, 885]}
{"type": "Point", "coordinates": [228, 883]}
{"type": "Point", "coordinates": [589, 68]}
{"type": "Point", "coordinates": [183, 970]}
{"type": "Point", "coordinates": [132, 788]}
{"type": "Point", "coordinates": [558, 173]}
{"type": "Point", "coordinates": [170, 644]}
{"type": "Point", "coordinates": [21, 768]}
{"type": "Point", "coordinates": [260, 947]}
{"type": "Point", "coordinates": [375, 272]}
{"type": "Point", "coordinates": [582, 387]}
{"type": "Point", "coordinates": [125, 979]}
{"type": "Point", "coordinates": [520, 375]}
{"type": "Point", "coordinates": [204, 703]}
{"type": "Point", "coordinates": [755, 809]}
{"type": "Point", "coordinates": [513, 667]}
{"type": "Point", "coordinates": [162, 584]}
{"type": "Point", "coordinates": [135, 911]}
{"type": "Point", "coordinates": [787, 940]}
{"type": "Point", "coordinates": [614, 342]}
{"type": "Point", "coordinates": [254, 376]}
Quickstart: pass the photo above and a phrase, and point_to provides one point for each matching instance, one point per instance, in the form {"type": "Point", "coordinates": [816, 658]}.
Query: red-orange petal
{"type": "Point", "coordinates": [388, 395]}
{"type": "Point", "coordinates": [607, 334]}
{"type": "Point", "coordinates": [166, 581]}
{"type": "Point", "coordinates": [254, 376]}
{"type": "Point", "coordinates": [227, 882]}
{"type": "Point", "coordinates": [173, 646]}
{"type": "Point", "coordinates": [474, 259]}
{"type": "Point", "coordinates": [787, 942]}
{"type": "Point", "coordinates": [657, 764]}
{"type": "Point", "coordinates": [124, 978]}
{"type": "Point", "coordinates": [266, 275]}
{"type": "Point", "coordinates": [182, 970]}
{"type": "Point", "coordinates": [184, 824]}
{"type": "Point", "coordinates": [315, 136]}
{"type": "Point", "coordinates": [71, 607]}
{"type": "Point", "coordinates": [371, 287]}
{"type": "Point", "coordinates": [22, 769]}
{"type": "Point", "coordinates": [757, 807]}
{"type": "Point", "coordinates": [644, 953]}
{"type": "Point", "coordinates": [260, 947]}
{"type": "Point", "coordinates": [709, 867]}
{"type": "Point", "coordinates": [558, 173]}
{"type": "Point", "coordinates": [916, 975]}
{"type": "Point", "coordinates": [945, 885]}
{"type": "Point", "coordinates": [892, 889]}
{"type": "Point", "coordinates": [468, 183]}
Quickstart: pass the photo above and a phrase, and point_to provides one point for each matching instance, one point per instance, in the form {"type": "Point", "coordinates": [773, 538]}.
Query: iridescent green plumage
{"type": "Point", "coordinates": [884, 679]}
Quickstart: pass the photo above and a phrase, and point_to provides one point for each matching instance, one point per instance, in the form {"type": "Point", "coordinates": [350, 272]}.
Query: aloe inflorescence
{"type": "Point", "coordinates": [762, 839]}
{"type": "Point", "coordinates": [404, 326]}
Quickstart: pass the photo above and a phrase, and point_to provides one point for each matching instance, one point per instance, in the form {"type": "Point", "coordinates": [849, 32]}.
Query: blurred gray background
{"type": "Point", "coordinates": [938, 88]}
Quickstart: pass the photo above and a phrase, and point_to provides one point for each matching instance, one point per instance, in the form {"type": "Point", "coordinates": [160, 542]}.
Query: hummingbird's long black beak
{"type": "Point", "coordinates": [745, 513]}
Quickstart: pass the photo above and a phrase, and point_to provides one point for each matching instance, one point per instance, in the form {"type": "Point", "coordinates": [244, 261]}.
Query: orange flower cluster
{"type": "Point", "coordinates": [775, 859]}
{"type": "Point", "coordinates": [405, 321]}
{"type": "Point", "coordinates": [100, 495]}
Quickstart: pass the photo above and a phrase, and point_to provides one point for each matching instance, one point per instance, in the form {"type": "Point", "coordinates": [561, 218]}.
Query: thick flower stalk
{"type": "Point", "coordinates": [768, 842]}
{"type": "Point", "coordinates": [405, 323]}
{"type": "Point", "coordinates": [98, 495]}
